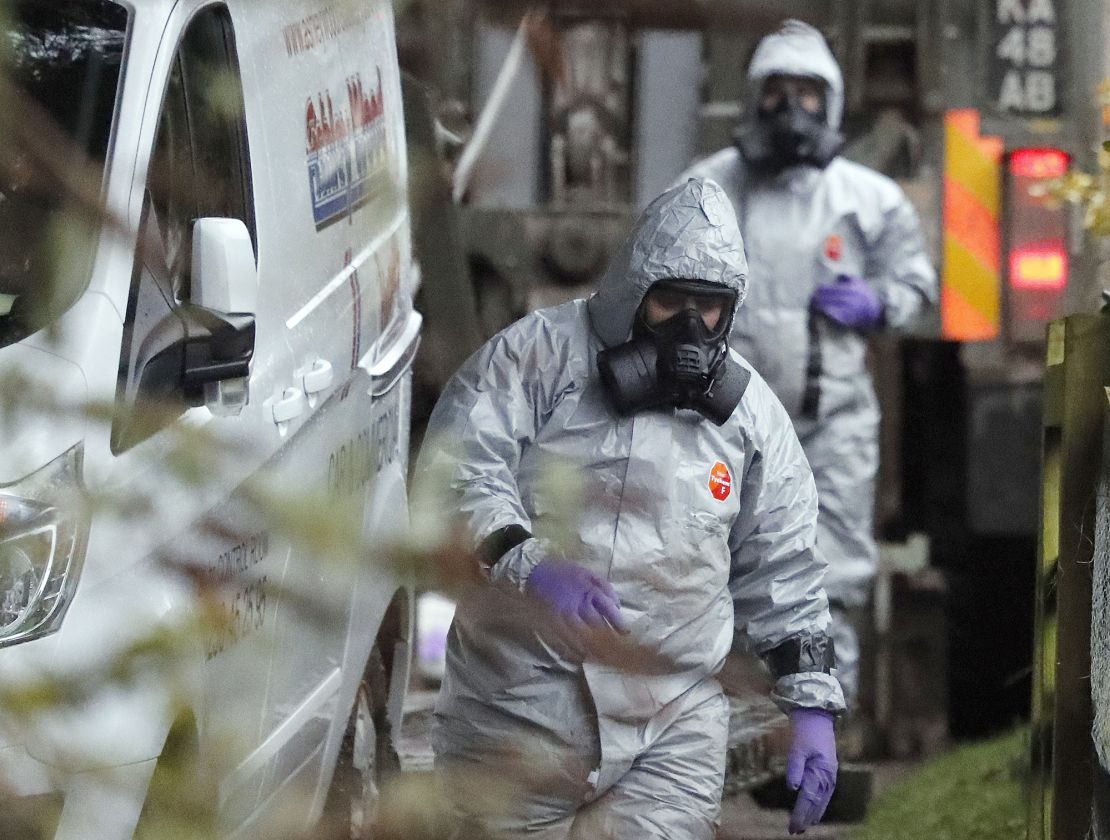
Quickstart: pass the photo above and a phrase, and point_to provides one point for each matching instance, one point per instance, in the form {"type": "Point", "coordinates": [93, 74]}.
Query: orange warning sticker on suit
{"type": "Point", "coordinates": [720, 481]}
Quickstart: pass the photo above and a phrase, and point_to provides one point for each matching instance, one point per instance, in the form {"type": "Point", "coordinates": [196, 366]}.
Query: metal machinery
{"type": "Point", "coordinates": [597, 106]}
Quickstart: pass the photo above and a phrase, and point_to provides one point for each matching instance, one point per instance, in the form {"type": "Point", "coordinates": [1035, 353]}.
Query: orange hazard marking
{"type": "Point", "coordinates": [973, 225]}
{"type": "Point", "coordinates": [971, 291]}
{"type": "Point", "coordinates": [976, 315]}
{"type": "Point", "coordinates": [974, 162]}
{"type": "Point", "coordinates": [973, 325]}
{"type": "Point", "coordinates": [720, 481]}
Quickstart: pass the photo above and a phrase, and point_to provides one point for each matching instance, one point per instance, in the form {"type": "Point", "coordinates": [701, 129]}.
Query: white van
{"type": "Point", "coordinates": [253, 275]}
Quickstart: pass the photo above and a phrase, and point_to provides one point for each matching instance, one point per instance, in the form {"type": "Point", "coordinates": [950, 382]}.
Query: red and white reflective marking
{"type": "Point", "coordinates": [720, 481]}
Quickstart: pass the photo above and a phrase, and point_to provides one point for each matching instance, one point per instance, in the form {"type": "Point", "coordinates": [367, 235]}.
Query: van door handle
{"type": "Point", "coordinates": [318, 377]}
{"type": "Point", "coordinates": [386, 371]}
{"type": "Point", "coordinates": [290, 404]}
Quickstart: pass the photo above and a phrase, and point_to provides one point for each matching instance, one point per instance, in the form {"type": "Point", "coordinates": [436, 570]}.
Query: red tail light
{"type": "Point", "coordinates": [1043, 267]}
{"type": "Point", "coordinates": [1038, 163]}
{"type": "Point", "coordinates": [1036, 244]}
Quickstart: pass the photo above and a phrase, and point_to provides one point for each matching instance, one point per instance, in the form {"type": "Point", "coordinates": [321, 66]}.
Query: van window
{"type": "Point", "coordinates": [62, 60]}
{"type": "Point", "coordinates": [199, 168]}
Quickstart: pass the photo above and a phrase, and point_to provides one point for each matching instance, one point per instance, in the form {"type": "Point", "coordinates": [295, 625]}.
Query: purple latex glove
{"type": "Point", "coordinates": [576, 595]}
{"type": "Point", "coordinates": [850, 302]}
{"type": "Point", "coordinates": [811, 766]}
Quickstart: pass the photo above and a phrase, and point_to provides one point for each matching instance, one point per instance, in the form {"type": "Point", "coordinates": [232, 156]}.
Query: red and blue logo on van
{"type": "Point", "coordinates": [720, 481]}
{"type": "Point", "coordinates": [347, 150]}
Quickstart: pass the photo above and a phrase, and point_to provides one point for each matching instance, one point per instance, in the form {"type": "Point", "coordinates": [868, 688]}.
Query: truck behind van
{"type": "Point", "coordinates": [206, 332]}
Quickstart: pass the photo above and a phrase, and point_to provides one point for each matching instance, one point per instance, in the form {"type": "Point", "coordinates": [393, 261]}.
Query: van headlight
{"type": "Point", "coordinates": [43, 530]}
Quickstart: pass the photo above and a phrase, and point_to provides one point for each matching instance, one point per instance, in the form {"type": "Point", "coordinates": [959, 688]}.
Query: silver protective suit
{"type": "Point", "coordinates": [802, 228]}
{"type": "Point", "coordinates": [694, 562]}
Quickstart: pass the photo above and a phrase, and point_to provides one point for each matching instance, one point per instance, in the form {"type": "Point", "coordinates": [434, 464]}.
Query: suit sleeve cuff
{"type": "Point", "coordinates": [515, 565]}
{"type": "Point", "coordinates": [811, 690]}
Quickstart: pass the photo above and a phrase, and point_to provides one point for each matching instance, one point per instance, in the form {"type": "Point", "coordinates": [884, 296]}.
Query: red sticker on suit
{"type": "Point", "coordinates": [720, 481]}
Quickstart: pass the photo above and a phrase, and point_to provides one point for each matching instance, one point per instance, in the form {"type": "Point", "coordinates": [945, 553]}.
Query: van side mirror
{"type": "Point", "coordinates": [218, 346]}
{"type": "Point", "coordinates": [191, 349]}
{"type": "Point", "coordinates": [225, 280]}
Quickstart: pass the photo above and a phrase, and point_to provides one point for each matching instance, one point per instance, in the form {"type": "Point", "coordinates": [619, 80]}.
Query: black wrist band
{"type": "Point", "coordinates": [810, 653]}
{"type": "Point", "coordinates": [505, 539]}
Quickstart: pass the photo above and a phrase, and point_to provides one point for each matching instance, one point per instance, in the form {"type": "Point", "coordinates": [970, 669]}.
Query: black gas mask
{"type": "Point", "coordinates": [678, 361]}
{"type": "Point", "coordinates": [787, 134]}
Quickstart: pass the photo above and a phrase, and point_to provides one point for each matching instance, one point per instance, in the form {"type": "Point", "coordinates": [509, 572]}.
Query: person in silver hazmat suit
{"type": "Point", "coordinates": [836, 253]}
{"type": "Point", "coordinates": [697, 531]}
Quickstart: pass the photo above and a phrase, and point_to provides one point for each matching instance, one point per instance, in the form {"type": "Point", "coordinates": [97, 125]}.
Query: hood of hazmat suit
{"type": "Point", "coordinates": [804, 227]}
{"type": "Point", "coordinates": [796, 49]}
{"type": "Point", "coordinates": [691, 236]}
{"type": "Point", "coordinates": [706, 532]}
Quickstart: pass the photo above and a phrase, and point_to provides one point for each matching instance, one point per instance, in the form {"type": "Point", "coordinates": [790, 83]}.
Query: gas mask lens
{"type": "Point", "coordinates": [782, 93]}
{"type": "Point", "coordinates": [666, 302]}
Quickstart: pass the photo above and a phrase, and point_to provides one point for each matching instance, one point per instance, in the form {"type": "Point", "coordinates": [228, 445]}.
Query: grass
{"type": "Point", "coordinates": [973, 793]}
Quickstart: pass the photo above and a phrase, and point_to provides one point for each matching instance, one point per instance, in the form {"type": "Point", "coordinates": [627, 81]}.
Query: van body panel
{"type": "Point", "coordinates": [116, 724]}
{"type": "Point", "coordinates": [24, 775]}
{"type": "Point", "coordinates": [102, 804]}
{"type": "Point", "coordinates": [20, 666]}
{"type": "Point", "coordinates": [46, 429]}
{"type": "Point", "coordinates": [270, 690]}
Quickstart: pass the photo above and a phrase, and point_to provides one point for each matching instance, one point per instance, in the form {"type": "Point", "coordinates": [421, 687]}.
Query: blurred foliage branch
{"type": "Point", "coordinates": [1090, 191]}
